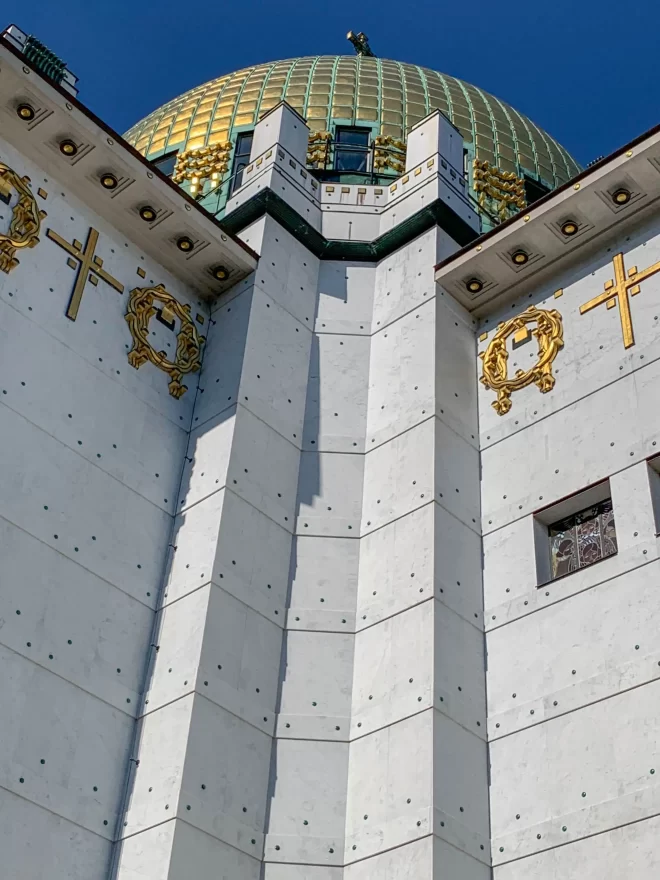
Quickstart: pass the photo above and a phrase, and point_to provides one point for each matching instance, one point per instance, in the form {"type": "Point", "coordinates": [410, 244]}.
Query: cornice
{"type": "Point", "coordinates": [587, 202]}
{"type": "Point", "coordinates": [100, 151]}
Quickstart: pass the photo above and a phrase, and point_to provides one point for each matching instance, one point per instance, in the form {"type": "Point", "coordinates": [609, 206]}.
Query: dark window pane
{"type": "Point", "coordinates": [350, 160]}
{"type": "Point", "coordinates": [237, 179]}
{"type": "Point", "coordinates": [244, 143]}
{"type": "Point", "coordinates": [353, 136]}
{"type": "Point", "coordinates": [534, 190]}
{"type": "Point", "coordinates": [166, 163]}
{"type": "Point", "coordinates": [352, 149]}
{"type": "Point", "coordinates": [241, 159]}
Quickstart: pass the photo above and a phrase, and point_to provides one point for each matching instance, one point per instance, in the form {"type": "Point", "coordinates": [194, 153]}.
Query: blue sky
{"type": "Point", "coordinates": [587, 72]}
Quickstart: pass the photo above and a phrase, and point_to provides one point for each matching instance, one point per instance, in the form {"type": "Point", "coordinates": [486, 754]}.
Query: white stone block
{"type": "Point", "coordinates": [345, 298]}
{"type": "Point", "coordinates": [23, 824]}
{"type": "Point", "coordinates": [337, 391]}
{"type": "Point", "coordinates": [282, 126]}
{"type": "Point", "coordinates": [317, 675]}
{"type": "Point", "coordinates": [330, 494]}
{"type": "Point", "coordinates": [434, 135]}
{"type": "Point", "coordinates": [310, 786]}
{"type": "Point", "coordinates": [402, 374]}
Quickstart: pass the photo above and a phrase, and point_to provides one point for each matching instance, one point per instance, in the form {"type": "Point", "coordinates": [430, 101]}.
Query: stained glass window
{"type": "Point", "coordinates": [582, 539]}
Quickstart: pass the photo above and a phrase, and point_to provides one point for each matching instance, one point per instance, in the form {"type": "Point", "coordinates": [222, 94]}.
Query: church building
{"type": "Point", "coordinates": [330, 482]}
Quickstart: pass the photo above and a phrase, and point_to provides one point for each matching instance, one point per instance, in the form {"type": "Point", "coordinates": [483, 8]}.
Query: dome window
{"type": "Point", "coordinates": [241, 159]}
{"type": "Point", "coordinates": [352, 149]}
{"type": "Point", "coordinates": [165, 164]}
{"type": "Point", "coordinates": [534, 190]}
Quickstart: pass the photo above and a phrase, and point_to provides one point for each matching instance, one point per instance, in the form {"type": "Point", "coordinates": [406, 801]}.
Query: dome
{"type": "Point", "coordinates": [388, 97]}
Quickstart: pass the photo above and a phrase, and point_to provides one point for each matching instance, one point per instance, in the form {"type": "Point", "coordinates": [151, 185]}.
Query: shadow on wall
{"type": "Point", "coordinates": [210, 468]}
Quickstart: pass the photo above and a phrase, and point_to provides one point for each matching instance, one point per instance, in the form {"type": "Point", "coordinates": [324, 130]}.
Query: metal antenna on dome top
{"type": "Point", "coordinates": [361, 44]}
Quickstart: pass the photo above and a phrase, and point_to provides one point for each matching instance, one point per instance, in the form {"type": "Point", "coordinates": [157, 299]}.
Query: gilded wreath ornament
{"type": "Point", "coordinates": [549, 333]}
{"type": "Point", "coordinates": [187, 359]}
{"type": "Point", "coordinates": [25, 223]}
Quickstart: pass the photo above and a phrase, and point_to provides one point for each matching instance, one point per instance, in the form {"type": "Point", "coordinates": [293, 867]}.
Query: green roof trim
{"type": "Point", "coordinates": [437, 213]}
{"type": "Point", "coordinates": [44, 60]}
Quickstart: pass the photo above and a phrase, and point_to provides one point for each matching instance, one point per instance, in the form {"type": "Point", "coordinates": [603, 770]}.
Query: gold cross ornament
{"type": "Point", "coordinates": [618, 290]}
{"type": "Point", "coordinates": [90, 267]}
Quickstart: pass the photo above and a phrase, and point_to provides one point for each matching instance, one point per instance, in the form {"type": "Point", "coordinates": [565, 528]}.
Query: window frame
{"type": "Point", "coordinates": [591, 514]}
{"type": "Point", "coordinates": [241, 160]}
{"type": "Point", "coordinates": [345, 149]}
{"type": "Point", "coordinates": [160, 160]}
{"type": "Point", "coordinates": [571, 507]}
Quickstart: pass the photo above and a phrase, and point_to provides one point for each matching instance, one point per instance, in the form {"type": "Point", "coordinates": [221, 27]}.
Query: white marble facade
{"type": "Point", "coordinates": [292, 626]}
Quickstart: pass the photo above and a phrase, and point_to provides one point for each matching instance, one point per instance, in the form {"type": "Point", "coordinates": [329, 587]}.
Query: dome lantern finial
{"type": "Point", "coordinates": [361, 44]}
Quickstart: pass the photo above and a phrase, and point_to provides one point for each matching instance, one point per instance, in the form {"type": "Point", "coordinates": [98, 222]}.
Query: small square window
{"type": "Point", "coordinates": [575, 533]}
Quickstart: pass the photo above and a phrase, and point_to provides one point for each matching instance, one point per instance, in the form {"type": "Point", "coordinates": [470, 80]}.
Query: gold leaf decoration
{"type": "Point", "coordinates": [549, 333]}
{"type": "Point", "coordinates": [501, 193]}
{"type": "Point", "coordinates": [204, 163]}
{"type": "Point", "coordinates": [389, 153]}
{"type": "Point", "coordinates": [187, 359]}
{"type": "Point", "coordinates": [318, 149]}
{"type": "Point", "coordinates": [25, 222]}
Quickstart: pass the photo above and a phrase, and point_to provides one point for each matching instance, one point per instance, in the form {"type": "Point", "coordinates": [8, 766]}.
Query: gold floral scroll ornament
{"type": "Point", "coordinates": [549, 333]}
{"type": "Point", "coordinates": [25, 221]}
{"type": "Point", "coordinates": [141, 310]}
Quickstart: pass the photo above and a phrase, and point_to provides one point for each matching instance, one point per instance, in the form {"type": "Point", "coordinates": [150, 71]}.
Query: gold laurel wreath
{"type": "Point", "coordinates": [549, 333]}
{"type": "Point", "coordinates": [189, 343]}
{"type": "Point", "coordinates": [25, 222]}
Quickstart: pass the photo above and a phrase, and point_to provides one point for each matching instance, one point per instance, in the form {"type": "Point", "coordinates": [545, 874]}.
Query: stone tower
{"type": "Point", "coordinates": [328, 531]}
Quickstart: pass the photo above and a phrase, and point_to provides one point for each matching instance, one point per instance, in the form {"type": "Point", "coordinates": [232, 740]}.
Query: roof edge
{"type": "Point", "coordinates": [82, 108]}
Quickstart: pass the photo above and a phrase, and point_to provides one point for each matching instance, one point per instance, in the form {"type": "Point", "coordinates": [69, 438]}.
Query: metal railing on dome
{"type": "Point", "coordinates": [377, 164]}
{"type": "Point", "coordinates": [215, 199]}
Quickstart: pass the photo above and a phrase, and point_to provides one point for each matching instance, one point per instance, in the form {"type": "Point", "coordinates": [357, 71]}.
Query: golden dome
{"type": "Point", "coordinates": [388, 96]}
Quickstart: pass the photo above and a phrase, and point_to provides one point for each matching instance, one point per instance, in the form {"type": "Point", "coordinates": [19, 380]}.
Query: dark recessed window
{"type": "Point", "coordinates": [241, 159]}
{"type": "Point", "coordinates": [582, 539]}
{"type": "Point", "coordinates": [352, 149]}
{"type": "Point", "coordinates": [534, 190]}
{"type": "Point", "coordinates": [165, 163]}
